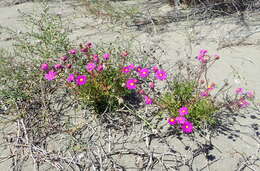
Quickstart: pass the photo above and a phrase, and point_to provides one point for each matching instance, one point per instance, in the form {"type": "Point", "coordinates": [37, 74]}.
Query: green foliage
{"type": "Point", "coordinates": [202, 111]}
{"type": "Point", "coordinates": [180, 94]}
{"type": "Point", "coordinates": [105, 91]}
{"type": "Point", "coordinates": [47, 36]}
{"type": "Point", "coordinates": [11, 78]}
{"type": "Point", "coordinates": [183, 93]}
{"type": "Point", "coordinates": [19, 70]}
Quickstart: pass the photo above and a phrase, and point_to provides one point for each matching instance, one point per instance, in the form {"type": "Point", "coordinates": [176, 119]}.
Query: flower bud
{"type": "Point", "coordinates": [142, 92]}
{"type": "Point", "coordinates": [151, 85]}
{"type": "Point", "coordinates": [84, 50]}
{"type": "Point", "coordinates": [155, 68]}
{"type": "Point", "coordinates": [73, 51]}
{"type": "Point", "coordinates": [58, 66]}
{"type": "Point", "coordinates": [125, 53]}
{"type": "Point", "coordinates": [89, 44]}
{"type": "Point", "coordinates": [217, 57]}
{"type": "Point", "coordinates": [69, 66]}
{"type": "Point", "coordinates": [64, 58]}
{"type": "Point", "coordinates": [106, 56]}
{"type": "Point", "coordinates": [44, 67]}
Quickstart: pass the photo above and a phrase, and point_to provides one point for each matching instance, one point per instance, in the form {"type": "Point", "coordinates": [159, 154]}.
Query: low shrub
{"type": "Point", "coordinates": [192, 98]}
{"type": "Point", "coordinates": [105, 81]}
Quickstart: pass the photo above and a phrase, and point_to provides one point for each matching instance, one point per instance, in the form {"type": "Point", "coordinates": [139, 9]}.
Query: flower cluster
{"type": "Point", "coordinates": [186, 126]}
{"type": "Point", "coordinates": [64, 66]}
{"type": "Point", "coordinates": [207, 91]}
{"type": "Point", "coordinates": [204, 57]}
{"type": "Point", "coordinates": [105, 82]}
{"type": "Point", "coordinates": [94, 65]}
{"type": "Point", "coordinates": [87, 65]}
{"type": "Point", "coordinates": [243, 96]}
{"type": "Point", "coordinates": [143, 75]}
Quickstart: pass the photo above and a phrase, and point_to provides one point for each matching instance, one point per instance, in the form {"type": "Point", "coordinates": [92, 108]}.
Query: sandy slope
{"type": "Point", "coordinates": [244, 57]}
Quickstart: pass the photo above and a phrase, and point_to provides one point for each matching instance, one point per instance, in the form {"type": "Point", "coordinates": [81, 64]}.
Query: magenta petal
{"type": "Point", "coordinates": [187, 127]}
{"type": "Point", "coordinates": [180, 119]}
{"type": "Point", "coordinates": [183, 111]}
{"type": "Point", "coordinates": [131, 84]}
{"type": "Point", "coordinates": [51, 75]}
{"type": "Point", "coordinates": [81, 80]}
{"type": "Point", "coordinates": [172, 121]}
{"type": "Point", "coordinates": [44, 67]}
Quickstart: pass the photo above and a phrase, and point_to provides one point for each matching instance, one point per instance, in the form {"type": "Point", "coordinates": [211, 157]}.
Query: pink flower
{"type": "Point", "coordinates": [81, 80]}
{"type": "Point", "coordinates": [89, 44]}
{"type": "Point", "coordinates": [44, 67]}
{"type": "Point", "coordinates": [250, 94]}
{"type": "Point", "coordinates": [187, 127]}
{"type": "Point", "coordinates": [84, 50]}
{"type": "Point", "coordinates": [151, 85]}
{"type": "Point", "coordinates": [58, 66]}
{"type": "Point", "coordinates": [142, 92]}
{"type": "Point", "coordinates": [204, 93]}
{"type": "Point", "coordinates": [138, 69]}
{"type": "Point", "coordinates": [243, 103]}
{"type": "Point", "coordinates": [217, 57]}
{"type": "Point", "coordinates": [64, 58]}
{"type": "Point", "coordinates": [100, 67]}
{"type": "Point", "coordinates": [69, 66]}
{"type": "Point", "coordinates": [125, 53]}
{"type": "Point", "coordinates": [148, 100]}
{"type": "Point", "coordinates": [125, 69]}
{"type": "Point", "coordinates": [180, 119]}
{"type": "Point", "coordinates": [183, 111]}
{"type": "Point", "coordinates": [201, 56]}
{"type": "Point", "coordinates": [155, 68]}
{"type": "Point", "coordinates": [212, 86]}
{"type": "Point", "coordinates": [172, 121]}
{"type": "Point", "coordinates": [204, 60]}
{"type": "Point", "coordinates": [71, 78]}
{"type": "Point", "coordinates": [131, 83]}
{"type": "Point", "coordinates": [106, 56]}
{"type": "Point", "coordinates": [95, 58]}
{"type": "Point", "coordinates": [73, 51]}
{"type": "Point", "coordinates": [203, 52]}
{"type": "Point", "coordinates": [51, 75]}
{"type": "Point", "coordinates": [90, 66]}
{"type": "Point", "coordinates": [239, 91]}
{"type": "Point", "coordinates": [144, 73]}
{"type": "Point", "coordinates": [131, 66]}
{"type": "Point", "coordinates": [161, 75]}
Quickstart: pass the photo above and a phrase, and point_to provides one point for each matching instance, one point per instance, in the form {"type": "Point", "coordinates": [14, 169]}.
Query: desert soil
{"type": "Point", "coordinates": [237, 43]}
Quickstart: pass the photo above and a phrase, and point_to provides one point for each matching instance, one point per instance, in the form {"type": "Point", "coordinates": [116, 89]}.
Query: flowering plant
{"type": "Point", "coordinates": [104, 80]}
{"type": "Point", "coordinates": [193, 101]}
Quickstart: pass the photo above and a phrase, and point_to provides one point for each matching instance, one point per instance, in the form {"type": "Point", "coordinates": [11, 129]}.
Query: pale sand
{"type": "Point", "coordinates": [245, 58]}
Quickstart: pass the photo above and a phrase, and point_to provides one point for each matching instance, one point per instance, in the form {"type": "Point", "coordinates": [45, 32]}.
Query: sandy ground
{"type": "Point", "coordinates": [221, 37]}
